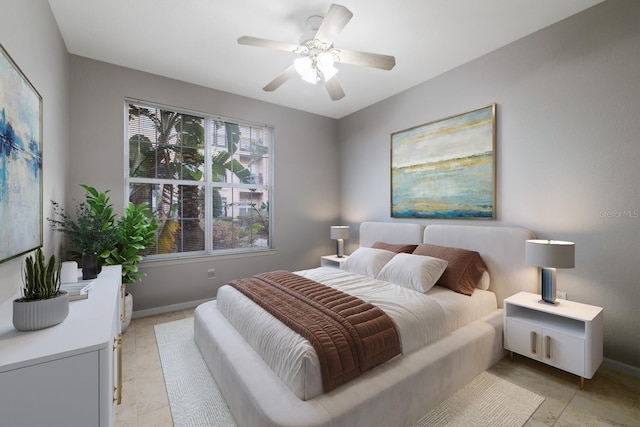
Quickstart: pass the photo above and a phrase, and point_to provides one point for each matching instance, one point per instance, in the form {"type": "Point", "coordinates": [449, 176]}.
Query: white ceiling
{"type": "Point", "coordinates": [195, 40]}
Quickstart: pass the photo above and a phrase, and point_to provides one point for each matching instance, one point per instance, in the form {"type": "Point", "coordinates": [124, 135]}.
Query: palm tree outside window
{"type": "Point", "coordinates": [207, 179]}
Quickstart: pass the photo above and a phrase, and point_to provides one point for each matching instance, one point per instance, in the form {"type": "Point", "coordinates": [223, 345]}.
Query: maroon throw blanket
{"type": "Point", "coordinates": [349, 335]}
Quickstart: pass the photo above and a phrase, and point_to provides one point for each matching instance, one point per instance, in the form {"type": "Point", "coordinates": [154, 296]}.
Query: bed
{"type": "Point", "coordinates": [398, 392]}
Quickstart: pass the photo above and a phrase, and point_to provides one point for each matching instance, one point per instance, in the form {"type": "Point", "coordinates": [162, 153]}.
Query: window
{"type": "Point", "coordinates": [206, 179]}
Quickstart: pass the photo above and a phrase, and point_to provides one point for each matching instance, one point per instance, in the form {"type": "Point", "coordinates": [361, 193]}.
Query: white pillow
{"type": "Point", "coordinates": [367, 261]}
{"type": "Point", "coordinates": [485, 281]}
{"type": "Point", "coordinates": [417, 272]}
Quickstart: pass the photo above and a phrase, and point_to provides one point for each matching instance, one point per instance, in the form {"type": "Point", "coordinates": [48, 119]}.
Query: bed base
{"type": "Point", "coordinates": [397, 393]}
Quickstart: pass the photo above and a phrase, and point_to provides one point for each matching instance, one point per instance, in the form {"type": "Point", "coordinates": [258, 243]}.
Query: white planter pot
{"type": "Point", "coordinates": [40, 314]}
{"type": "Point", "coordinates": [128, 311]}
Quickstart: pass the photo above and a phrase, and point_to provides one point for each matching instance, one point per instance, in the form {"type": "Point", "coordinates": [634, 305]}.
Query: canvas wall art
{"type": "Point", "coordinates": [446, 168]}
{"type": "Point", "coordinates": [20, 162]}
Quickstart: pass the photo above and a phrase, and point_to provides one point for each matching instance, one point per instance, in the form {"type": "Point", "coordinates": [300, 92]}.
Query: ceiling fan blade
{"type": "Point", "coordinates": [281, 79]}
{"type": "Point", "coordinates": [334, 21]}
{"type": "Point", "coordinates": [335, 90]}
{"type": "Point", "coordinates": [270, 44]}
{"type": "Point", "coordinates": [375, 60]}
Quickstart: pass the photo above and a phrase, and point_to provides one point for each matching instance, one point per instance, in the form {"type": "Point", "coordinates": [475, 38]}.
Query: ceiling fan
{"type": "Point", "coordinates": [317, 55]}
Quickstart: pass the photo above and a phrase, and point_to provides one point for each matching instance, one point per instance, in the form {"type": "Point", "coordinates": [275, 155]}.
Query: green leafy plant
{"type": "Point", "coordinates": [93, 227]}
{"type": "Point", "coordinates": [135, 231]}
{"type": "Point", "coordinates": [41, 277]}
{"type": "Point", "coordinates": [117, 240]}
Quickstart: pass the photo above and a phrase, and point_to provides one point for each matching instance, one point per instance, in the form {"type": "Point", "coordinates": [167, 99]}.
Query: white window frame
{"type": "Point", "coordinates": [207, 183]}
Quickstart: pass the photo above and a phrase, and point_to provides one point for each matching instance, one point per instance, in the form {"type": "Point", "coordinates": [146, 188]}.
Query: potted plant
{"type": "Point", "coordinates": [91, 232]}
{"type": "Point", "coordinates": [42, 304]}
{"type": "Point", "coordinates": [120, 241]}
{"type": "Point", "coordinates": [135, 231]}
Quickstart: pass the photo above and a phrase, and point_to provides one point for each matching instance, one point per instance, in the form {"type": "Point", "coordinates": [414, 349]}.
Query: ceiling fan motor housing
{"type": "Point", "coordinates": [312, 24]}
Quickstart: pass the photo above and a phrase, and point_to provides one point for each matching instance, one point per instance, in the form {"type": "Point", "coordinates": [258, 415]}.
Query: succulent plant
{"type": "Point", "coordinates": [41, 277]}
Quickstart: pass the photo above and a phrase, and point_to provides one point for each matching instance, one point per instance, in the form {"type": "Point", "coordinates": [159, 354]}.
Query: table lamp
{"type": "Point", "coordinates": [549, 255]}
{"type": "Point", "coordinates": [339, 232]}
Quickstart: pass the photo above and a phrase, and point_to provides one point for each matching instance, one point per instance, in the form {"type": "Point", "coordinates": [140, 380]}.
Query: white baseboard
{"type": "Point", "coordinates": [621, 367]}
{"type": "Point", "coordinates": [168, 308]}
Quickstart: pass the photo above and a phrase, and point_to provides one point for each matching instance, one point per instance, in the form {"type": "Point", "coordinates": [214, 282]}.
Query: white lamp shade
{"type": "Point", "coordinates": [325, 60]}
{"type": "Point", "coordinates": [550, 253]}
{"type": "Point", "coordinates": [325, 65]}
{"type": "Point", "coordinates": [339, 231]}
{"type": "Point", "coordinates": [328, 73]}
{"type": "Point", "coordinates": [311, 76]}
{"type": "Point", "coordinates": [303, 65]}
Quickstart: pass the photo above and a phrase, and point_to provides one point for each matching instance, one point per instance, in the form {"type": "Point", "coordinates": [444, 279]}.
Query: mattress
{"type": "Point", "coordinates": [419, 318]}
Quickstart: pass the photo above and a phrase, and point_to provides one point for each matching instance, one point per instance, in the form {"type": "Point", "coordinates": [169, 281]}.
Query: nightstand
{"type": "Point", "coordinates": [332, 261]}
{"type": "Point", "coordinates": [567, 335]}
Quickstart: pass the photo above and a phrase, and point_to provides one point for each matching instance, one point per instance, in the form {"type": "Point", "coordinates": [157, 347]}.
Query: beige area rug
{"type": "Point", "coordinates": [195, 400]}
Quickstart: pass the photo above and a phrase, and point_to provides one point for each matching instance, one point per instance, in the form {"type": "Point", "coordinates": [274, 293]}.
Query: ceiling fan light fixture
{"type": "Point", "coordinates": [311, 76]}
{"type": "Point", "coordinates": [325, 61]}
{"type": "Point", "coordinates": [328, 72]}
{"type": "Point", "coordinates": [303, 65]}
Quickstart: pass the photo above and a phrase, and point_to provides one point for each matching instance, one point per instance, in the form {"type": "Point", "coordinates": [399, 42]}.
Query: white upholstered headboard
{"type": "Point", "coordinates": [501, 248]}
{"type": "Point", "coordinates": [390, 232]}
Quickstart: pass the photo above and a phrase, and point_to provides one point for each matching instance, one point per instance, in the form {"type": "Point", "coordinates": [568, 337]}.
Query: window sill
{"type": "Point", "coordinates": [162, 262]}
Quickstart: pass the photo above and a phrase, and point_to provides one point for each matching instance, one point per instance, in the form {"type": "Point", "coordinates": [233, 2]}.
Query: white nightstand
{"type": "Point", "coordinates": [332, 261]}
{"type": "Point", "coordinates": [568, 335]}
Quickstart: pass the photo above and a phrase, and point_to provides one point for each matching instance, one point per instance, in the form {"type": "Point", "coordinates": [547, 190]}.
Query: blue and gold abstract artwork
{"type": "Point", "coordinates": [20, 162]}
{"type": "Point", "coordinates": [446, 168]}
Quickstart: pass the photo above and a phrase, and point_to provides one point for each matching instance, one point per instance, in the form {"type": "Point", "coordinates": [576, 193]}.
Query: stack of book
{"type": "Point", "coordinates": [77, 290]}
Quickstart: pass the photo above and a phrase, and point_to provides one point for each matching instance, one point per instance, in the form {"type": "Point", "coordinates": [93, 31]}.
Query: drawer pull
{"type": "Point", "coordinates": [119, 394]}
{"type": "Point", "coordinates": [534, 342]}
{"type": "Point", "coordinates": [122, 297]}
{"type": "Point", "coordinates": [548, 347]}
{"type": "Point", "coordinates": [117, 388]}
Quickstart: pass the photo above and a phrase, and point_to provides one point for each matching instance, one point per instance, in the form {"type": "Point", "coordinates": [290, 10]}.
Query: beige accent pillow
{"type": "Point", "coordinates": [464, 268]}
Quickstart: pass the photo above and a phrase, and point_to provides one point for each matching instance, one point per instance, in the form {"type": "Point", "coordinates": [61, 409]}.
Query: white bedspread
{"type": "Point", "coordinates": [419, 319]}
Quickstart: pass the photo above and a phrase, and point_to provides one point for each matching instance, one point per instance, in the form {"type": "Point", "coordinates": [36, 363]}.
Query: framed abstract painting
{"type": "Point", "coordinates": [446, 168]}
{"type": "Point", "coordinates": [20, 161]}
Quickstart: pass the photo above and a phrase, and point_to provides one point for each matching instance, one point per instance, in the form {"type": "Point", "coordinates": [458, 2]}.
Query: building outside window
{"type": "Point", "coordinates": [207, 180]}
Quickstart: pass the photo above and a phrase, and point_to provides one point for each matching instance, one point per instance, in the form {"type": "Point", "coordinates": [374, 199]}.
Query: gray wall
{"type": "Point", "coordinates": [568, 106]}
{"type": "Point", "coordinates": [30, 35]}
{"type": "Point", "coordinates": [307, 179]}
{"type": "Point", "coordinates": [568, 151]}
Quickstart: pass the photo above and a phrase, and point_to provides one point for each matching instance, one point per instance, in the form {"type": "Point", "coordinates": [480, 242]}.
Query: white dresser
{"type": "Point", "coordinates": [66, 375]}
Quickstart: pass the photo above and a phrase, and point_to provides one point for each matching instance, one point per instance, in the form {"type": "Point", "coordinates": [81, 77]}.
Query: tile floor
{"type": "Point", "coordinates": [609, 399]}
